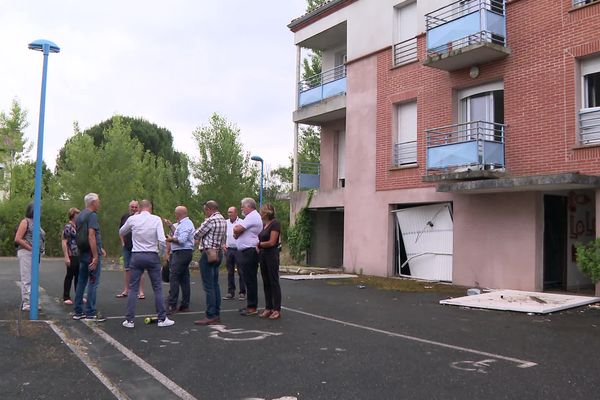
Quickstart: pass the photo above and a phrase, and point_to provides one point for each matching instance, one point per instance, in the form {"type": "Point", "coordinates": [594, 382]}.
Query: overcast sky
{"type": "Point", "coordinates": [173, 63]}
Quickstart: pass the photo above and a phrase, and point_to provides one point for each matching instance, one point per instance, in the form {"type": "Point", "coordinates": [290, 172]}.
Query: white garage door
{"type": "Point", "coordinates": [427, 235]}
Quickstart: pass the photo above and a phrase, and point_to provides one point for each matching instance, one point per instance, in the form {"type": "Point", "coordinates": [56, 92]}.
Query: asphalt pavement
{"type": "Point", "coordinates": [333, 342]}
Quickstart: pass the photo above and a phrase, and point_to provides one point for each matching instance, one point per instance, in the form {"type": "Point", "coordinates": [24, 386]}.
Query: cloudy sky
{"type": "Point", "coordinates": [173, 63]}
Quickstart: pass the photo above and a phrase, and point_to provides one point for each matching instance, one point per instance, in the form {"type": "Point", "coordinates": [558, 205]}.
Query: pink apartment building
{"type": "Point", "coordinates": [460, 141]}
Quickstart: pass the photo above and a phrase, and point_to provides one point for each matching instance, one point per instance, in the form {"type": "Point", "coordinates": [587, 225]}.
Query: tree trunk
{"type": "Point", "coordinates": [598, 289]}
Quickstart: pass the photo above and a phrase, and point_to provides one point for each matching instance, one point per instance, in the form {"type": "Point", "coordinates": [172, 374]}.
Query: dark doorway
{"type": "Point", "coordinates": [555, 242]}
{"type": "Point", "coordinates": [327, 238]}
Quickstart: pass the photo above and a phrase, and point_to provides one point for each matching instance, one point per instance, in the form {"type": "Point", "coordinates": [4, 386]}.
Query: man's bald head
{"type": "Point", "coordinates": [181, 212]}
{"type": "Point", "coordinates": [146, 205]}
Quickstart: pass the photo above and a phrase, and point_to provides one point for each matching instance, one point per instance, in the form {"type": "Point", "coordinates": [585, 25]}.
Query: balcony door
{"type": "Point", "coordinates": [341, 160]}
{"type": "Point", "coordinates": [479, 110]}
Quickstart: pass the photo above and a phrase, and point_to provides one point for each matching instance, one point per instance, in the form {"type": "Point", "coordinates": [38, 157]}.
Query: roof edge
{"type": "Point", "coordinates": [300, 22]}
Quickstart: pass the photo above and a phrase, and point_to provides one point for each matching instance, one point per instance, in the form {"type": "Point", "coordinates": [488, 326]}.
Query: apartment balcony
{"type": "Point", "coordinates": [309, 175]}
{"type": "Point", "coordinates": [472, 150]}
{"type": "Point", "coordinates": [322, 97]}
{"type": "Point", "coordinates": [589, 126]}
{"type": "Point", "coordinates": [466, 33]}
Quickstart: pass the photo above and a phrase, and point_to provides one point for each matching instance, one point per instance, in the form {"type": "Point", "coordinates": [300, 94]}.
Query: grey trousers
{"type": "Point", "coordinates": [24, 257]}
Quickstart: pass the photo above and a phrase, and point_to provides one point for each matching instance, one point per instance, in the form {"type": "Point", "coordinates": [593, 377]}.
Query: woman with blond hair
{"type": "Point", "coordinates": [268, 248]}
{"type": "Point", "coordinates": [71, 254]}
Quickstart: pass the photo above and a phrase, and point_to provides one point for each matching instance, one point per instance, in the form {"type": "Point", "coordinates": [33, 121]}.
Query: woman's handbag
{"type": "Point", "coordinates": [212, 255]}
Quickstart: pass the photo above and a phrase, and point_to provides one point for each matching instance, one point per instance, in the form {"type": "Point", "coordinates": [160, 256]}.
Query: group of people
{"type": "Point", "coordinates": [243, 243]}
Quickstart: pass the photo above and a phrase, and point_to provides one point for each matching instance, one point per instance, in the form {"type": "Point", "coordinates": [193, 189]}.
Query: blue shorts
{"type": "Point", "coordinates": [126, 258]}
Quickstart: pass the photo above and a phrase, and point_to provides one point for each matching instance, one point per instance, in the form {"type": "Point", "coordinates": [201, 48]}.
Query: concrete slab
{"type": "Point", "coordinates": [317, 276]}
{"type": "Point", "coordinates": [521, 301]}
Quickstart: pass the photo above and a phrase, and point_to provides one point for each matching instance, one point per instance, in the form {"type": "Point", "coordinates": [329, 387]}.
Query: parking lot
{"type": "Point", "coordinates": [333, 342]}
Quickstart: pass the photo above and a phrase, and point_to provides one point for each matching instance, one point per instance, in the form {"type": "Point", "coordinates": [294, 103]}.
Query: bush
{"type": "Point", "coordinates": [54, 216]}
{"type": "Point", "coordinates": [588, 259]}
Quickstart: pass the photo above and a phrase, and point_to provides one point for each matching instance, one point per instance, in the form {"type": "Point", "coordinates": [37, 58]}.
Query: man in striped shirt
{"type": "Point", "coordinates": [211, 235]}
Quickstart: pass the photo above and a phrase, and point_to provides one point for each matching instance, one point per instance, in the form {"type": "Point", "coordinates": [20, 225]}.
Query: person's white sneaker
{"type": "Point", "coordinates": [166, 322]}
{"type": "Point", "coordinates": [128, 324]}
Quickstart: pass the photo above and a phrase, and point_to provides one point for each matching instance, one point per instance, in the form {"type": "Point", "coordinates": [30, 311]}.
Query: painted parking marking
{"type": "Point", "coordinates": [85, 359]}
{"type": "Point", "coordinates": [239, 335]}
{"type": "Point", "coordinates": [156, 374]}
{"type": "Point", "coordinates": [520, 363]}
{"type": "Point", "coordinates": [480, 367]}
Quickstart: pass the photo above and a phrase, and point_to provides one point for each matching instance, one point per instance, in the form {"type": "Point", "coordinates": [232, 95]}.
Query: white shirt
{"type": "Point", "coordinates": [253, 224]}
{"type": "Point", "coordinates": [147, 233]}
{"type": "Point", "coordinates": [231, 241]}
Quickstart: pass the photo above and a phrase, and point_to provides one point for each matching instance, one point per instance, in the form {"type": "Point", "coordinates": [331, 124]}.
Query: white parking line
{"type": "Point", "coordinates": [169, 384]}
{"type": "Point", "coordinates": [88, 362]}
{"type": "Point", "coordinates": [520, 363]}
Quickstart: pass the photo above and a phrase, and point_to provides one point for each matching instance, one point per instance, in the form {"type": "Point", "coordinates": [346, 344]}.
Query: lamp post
{"type": "Point", "coordinates": [46, 47]}
{"type": "Point", "coordinates": [262, 169]}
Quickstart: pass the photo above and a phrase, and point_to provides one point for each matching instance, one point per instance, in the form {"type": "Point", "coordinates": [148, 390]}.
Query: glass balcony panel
{"type": "Point", "coordinates": [452, 155]}
{"type": "Point", "coordinates": [309, 175]}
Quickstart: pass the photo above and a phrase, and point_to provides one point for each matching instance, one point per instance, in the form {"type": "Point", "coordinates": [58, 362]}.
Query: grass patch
{"type": "Point", "coordinates": [401, 285]}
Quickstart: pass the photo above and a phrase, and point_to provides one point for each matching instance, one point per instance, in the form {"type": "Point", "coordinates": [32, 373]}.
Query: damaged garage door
{"type": "Point", "coordinates": [427, 235]}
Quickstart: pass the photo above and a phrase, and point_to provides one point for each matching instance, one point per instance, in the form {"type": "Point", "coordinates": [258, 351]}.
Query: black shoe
{"type": "Point", "coordinates": [183, 309]}
{"type": "Point", "coordinates": [229, 296]}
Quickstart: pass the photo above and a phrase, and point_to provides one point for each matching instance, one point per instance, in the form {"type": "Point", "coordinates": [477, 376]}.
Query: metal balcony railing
{"type": "Point", "coordinates": [589, 126]}
{"type": "Point", "coordinates": [463, 23]}
{"type": "Point", "coordinates": [319, 87]}
{"type": "Point", "coordinates": [405, 52]}
{"type": "Point", "coordinates": [309, 175]}
{"type": "Point", "coordinates": [475, 145]}
{"type": "Point", "coordinates": [405, 153]}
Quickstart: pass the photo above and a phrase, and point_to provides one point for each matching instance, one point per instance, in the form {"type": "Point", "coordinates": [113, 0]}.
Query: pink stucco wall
{"type": "Point", "coordinates": [495, 240]}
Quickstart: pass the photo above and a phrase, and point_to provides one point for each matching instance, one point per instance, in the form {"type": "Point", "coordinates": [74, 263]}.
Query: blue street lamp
{"type": "Point", "coordinates": [262, 169]}
{"type": "Point", "coordinates": [46, 47]}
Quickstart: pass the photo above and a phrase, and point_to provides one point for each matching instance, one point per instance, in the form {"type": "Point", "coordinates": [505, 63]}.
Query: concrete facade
{"type": "Point", "coordinates": [499, 235]}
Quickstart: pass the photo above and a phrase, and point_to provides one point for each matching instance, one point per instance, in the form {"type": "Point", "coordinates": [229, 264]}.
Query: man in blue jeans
{"type": "Point", "coordinates": [212, 235]}
{"type": "Point", "coordinates": [90, 260]}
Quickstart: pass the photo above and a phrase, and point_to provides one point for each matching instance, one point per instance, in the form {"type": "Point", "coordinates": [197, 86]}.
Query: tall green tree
{"type": "Point", "coordinates": [314, 4]}
{"type": "Point", "coordinates": [153, 138]}
{"type": "Point", "coordinates": [119, 169]}
{"type": "Point", "coordinates": [224, 171]}
{"type": "Point", "coordinates": [13, 144]}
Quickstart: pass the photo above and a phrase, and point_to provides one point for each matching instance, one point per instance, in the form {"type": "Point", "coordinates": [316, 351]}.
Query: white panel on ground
{"type": "Point", "coordinates": [520, 301]}
{"type": "Point", "coordinates": [427, 235]}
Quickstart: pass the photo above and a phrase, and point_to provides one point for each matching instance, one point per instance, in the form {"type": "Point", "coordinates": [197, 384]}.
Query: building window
{"type": "Point", "coordinates": [405, 147]}
{"type": "Point", "coordinates": [589, 114]}
{"type": "Point", "coordinates": [579, 3]}
{"type": "Point", "coordinates": [405, 32]}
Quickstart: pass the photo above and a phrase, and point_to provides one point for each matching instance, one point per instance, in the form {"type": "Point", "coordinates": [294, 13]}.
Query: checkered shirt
{"type": "Point", "coordinates": [213, 232]}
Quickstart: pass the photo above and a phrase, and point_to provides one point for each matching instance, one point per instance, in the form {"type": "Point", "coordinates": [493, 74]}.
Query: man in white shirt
{"type": "Point", "coordinates": [246, 233]}
{"type": "Point", "coordinates": [231, 258]}
{"type": "Point", "coordinates": [148, 238]}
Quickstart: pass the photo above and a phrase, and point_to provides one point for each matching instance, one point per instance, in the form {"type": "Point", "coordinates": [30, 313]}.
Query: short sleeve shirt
{"type": "Point", "coordinates": [70, 235]}
{"type": "Point", "coordinates": [265, 234]}
{"type": "Point", "coordinates": [253, 225]}
{"type": "Point", "coordinates": [92, 223]}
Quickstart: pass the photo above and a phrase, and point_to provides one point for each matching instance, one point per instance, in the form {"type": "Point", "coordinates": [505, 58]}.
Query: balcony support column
{"type": "Point", "coordinates": [296, 128]}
